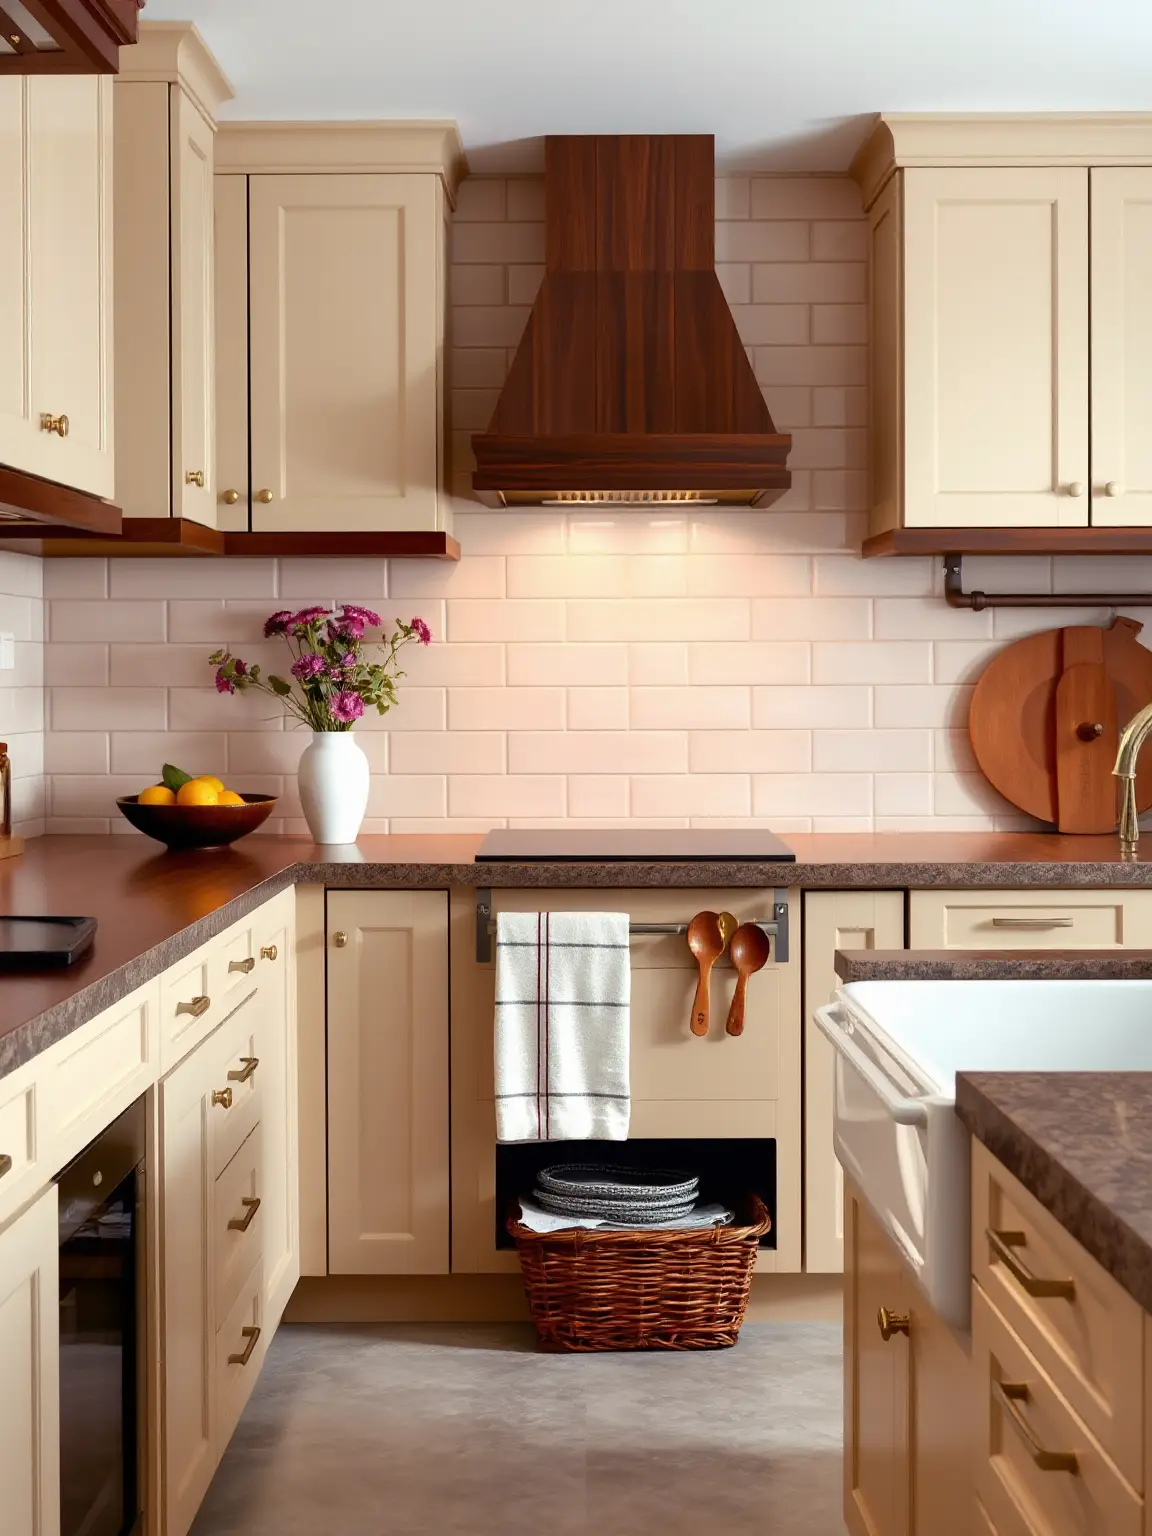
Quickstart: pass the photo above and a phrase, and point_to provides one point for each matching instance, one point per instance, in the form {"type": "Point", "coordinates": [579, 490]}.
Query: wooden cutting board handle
{"type": "Point", "coordinates": [1086, 735]}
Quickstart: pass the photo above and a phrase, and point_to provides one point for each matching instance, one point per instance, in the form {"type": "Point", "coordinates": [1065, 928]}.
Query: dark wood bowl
{"type": "Point", "coordinates": [197, 826]}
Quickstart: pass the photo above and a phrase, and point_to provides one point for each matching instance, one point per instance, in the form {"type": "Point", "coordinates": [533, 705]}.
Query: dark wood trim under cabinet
{"type": "Point", "coordinates": [176, 537]}
{"type": "Point", "coordinates": [88, 35]}
{"type": "Point", "coordinates": [316, 546]}
{"type": "Point", "coordinates": [30, 507]}
{"type": "Point", "coordinates": [1009, 541]}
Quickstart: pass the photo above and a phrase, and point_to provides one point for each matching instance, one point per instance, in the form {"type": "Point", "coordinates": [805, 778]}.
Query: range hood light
{"type": "Point", "coordinates": [629, 499]}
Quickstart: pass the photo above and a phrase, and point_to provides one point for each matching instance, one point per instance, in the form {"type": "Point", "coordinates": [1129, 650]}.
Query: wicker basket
{"type": "Point", "coordinates": [591, 1290]}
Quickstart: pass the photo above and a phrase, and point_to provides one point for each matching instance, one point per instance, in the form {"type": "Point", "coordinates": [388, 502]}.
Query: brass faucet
{"type": "Point", "coordinates": [1132, 738]}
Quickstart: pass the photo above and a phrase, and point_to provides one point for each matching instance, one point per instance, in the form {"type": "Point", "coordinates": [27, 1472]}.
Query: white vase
{"type": "Point", "coordinates": [333, 779]}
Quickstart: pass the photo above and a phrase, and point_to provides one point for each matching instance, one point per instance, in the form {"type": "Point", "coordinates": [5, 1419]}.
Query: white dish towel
{"type": "Point", "coordinates": [563, 992]}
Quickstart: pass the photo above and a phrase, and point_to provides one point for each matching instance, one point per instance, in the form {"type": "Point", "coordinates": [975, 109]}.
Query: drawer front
{"type": "Point", "coordinates": [1087, 1341]}
{"type": "Point", "coordinates": [1024, 1423]}
{"type": "Point", "coordinates": [232, 1064]}
{"type": "Point", "coordinates": [236, 1210]}
{"type": "Point", "coordinates": [88, 1078]}
{"type": "Point", "coordinates": [1029, 919]}
{"type": "Point", "coordinates": [232, 967]}
{"type": "Point", "coordinates": [23, 1160]}
{"type": "Point", "coordinates": [240, 1350]}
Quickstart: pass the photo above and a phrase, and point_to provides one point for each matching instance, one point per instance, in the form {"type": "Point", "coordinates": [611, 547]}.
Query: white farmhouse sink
{"type": "Point", "coordinates": [899, 1046]}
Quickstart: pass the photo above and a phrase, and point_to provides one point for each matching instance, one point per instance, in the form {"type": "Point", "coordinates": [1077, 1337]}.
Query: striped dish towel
{"type": "Point", "coordinates": [563, 987]}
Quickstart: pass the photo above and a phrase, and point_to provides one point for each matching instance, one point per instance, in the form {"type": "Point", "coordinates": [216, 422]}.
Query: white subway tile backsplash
{"type": "Point", "coordinates": [891, 661]}
{"type": "Point", "coordinates": [145, 579]}
{"type": "Point", "coordinates": [203, 709]}
{"type": "Point", "coordinates": [769, 240]}
{"type": "Point", "coordinates": [842, 575]}
{"type": "Point", "coordinates": [647, 619]}
{"type": "Point", "coordinates": [812, 794]}
{"type": "Point", "coordinates": [925, 618]}
{"type": "Point", "coordinates": [719, 707]}
{"type": "Point", "coordinates": [478, 576]}
{"type": "Point", "coordinates": [597, 576]}
{"type": "Point", "coordinates": [598, 709]}
{"type": "Point", "coordinates": [86, 620]}
{"type": "Point", "coordinates": [631, 751]}
{"type": "Point", "coordinates": [903, 794]}
{"type": "Point", "coordinates": [108, 709]}
{"type": "Point", "coordinates": [658, 664]}
{"type": "Point", "coordinates": [444, 752]}
{"type": "Point", "coordinates": [712, 662]}
{"type": "Point", "coordinates": [491, 619]}
{"type": "Point", "coordinates": [598, 795]}
{"type": "Point", "coordinates": [751, 575]}
{"type": "Point", "coordinates": [928, 705]}
{"type": "Point", "coordinates": [830, 282]}
{"type": "Point", "coordinates": [567, 664]}
{"type": "Point", "coordinates": [514, 794]}
{"type": "Point", "coordinates": [76, 752]}
{"type": "Point", "coordinates": [606, 532]}
{"type": "Point", "coordinates": [505, 709]}
{"type": "Point", "coordinates": [810, 708]}
{"type": "Point", "coordinates": [146, 752]}
{"type": "Point", "coordinates": [806, 197]}
{"type": "Point", "coordinates": [811, 618]}
{"type": "Point", "coordinates": [871, 751]}
{"type": "Point", "coordinates": [688, 794]}
{"type": "Point", "coordinates": [749, 751]}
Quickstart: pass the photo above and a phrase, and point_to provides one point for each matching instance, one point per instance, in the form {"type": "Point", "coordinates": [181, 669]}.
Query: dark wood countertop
{"type": "Point", "coordinates": [154, 907]}
{"type": "Point", "coordinates": [1081, 1142]}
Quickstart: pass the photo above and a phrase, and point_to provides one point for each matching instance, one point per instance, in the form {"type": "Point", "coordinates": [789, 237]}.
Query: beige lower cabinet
{"type": "Point", "coordinates": [30, 1371]}
{"type": "Point", "coordinates": [907, 1425]}
{"type": "Point", "coordinates": [388, 1142]}
{"type": "Point", "coordinates": [717, 1086]}
{"type": "Point", "coordinates": [832, 920]}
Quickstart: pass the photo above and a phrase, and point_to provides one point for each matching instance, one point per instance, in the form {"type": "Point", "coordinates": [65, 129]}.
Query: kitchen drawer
{"type": "Point", "coordinates": [239, 1225]}
{"type": "Point", "coordinates": [1089, 1343]}
{"type": "Point", "coordinates": [232, 1061]}
{"type": "Point", "coordinates": [23, 1155]}
{"type": "Point", "coordinates": [1023, 1497]}
{"type": "Point", "coordinates": [232, 965]}
{"type": "Point", "coordinates": [89, 1077]}
{"type": "Point", "coordinates": [1035, 919]}
{"type": "Point", "coordinates": [240, 1349]}
{"type": "Point", "coordinates": [187, 1015]}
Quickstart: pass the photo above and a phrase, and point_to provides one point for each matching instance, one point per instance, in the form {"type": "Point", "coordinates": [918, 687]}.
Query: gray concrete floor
{"type": "Point", "coordinates": [469, 1431]}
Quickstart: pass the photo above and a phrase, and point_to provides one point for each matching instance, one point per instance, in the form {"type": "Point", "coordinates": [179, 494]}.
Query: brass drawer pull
{"type": "Point", "coordinates": [891, 1323]}
{"type": "Point", "coordinates": [198, 1007]}
{"type": "Point", "coordinates": [249, 1070]}
{"type": "Point", "coordinates": [1001, 1245]}
{"type": "Point", "coordinates": [5, 1164]}
{"type": "Point", "coordinates": [252, 1335]}
{"type": "Point", "coordinates": [1007, 1394]}
{"type": "Point", "coordinates": [268, 952]}
{"type": "Point", "coordinates": [50, 423]}
{"type": "Point", "coordinates": [242, 965]}
{"type": "Point", "coordinates": [251, 1204]}
{"type": "Point", "coordinates": [222, 1096]}
{"type": "Point", "coordinates": [195, 477]}
{"type": "Point", "coordinates": [1032, 922]}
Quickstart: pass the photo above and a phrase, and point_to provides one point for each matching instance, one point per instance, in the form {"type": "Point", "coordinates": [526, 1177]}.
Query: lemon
{"type": "Point", "coordinates": [197, 792]}
{"type": "Point", "coordinates": [210, 778]}
{"type": "Point", "coordinates": [156, 794]}
{"type": "Point", "coordinates": [230, 797]}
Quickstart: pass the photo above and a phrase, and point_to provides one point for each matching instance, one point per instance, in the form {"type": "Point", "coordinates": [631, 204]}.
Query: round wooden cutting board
{"type": "Point", "coordinates": [1046, 717]}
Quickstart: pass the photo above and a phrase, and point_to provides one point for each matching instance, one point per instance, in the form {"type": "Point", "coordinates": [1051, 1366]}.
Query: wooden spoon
{"type": "Point", "coordinates": [707, 943]}
{"type": "Point", "coordinates": [749, 951]}
{"type": "Point", "coordinates": [728, 926]}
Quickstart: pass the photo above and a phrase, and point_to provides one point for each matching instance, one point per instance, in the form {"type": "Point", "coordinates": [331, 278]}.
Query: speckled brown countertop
{"type": "Point", "coordinates": [156, 907]}
{"type": "Point", "coordinates": [994, 965]}
{"type": "Point", "coordinates": [1081, 1142]}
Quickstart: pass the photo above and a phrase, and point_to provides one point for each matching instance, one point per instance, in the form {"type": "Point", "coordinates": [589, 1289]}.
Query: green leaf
{"type": "Point", "coordinates": [279, 686]}
{"type": "Point", "coordinates": [173, 777]}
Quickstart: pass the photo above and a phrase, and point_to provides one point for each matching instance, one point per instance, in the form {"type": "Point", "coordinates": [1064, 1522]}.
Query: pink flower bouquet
{"type": "Point", "coordinates": [332, 682]}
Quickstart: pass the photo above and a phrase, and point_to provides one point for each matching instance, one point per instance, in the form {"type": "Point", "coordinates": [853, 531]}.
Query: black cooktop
{"type": "Point", "coordinates": [632, 845]}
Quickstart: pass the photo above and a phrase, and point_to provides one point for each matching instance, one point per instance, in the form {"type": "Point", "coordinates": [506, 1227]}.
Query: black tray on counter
{"type": "Point", "coordinates": [44, 943]}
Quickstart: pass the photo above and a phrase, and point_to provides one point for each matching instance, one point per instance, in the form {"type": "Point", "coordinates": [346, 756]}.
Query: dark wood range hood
{"type": "Point", "coordinates": [631, 384]}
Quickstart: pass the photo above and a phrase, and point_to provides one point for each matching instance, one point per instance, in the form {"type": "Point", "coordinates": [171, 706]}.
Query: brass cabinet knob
{"type": "Point", "coordinates": [5, 1164]}
{"type": "Point", "coordinates": [339, 939]}
{"type": "Point", "coordinates": [251, 1204]}
{"type": "Point", "coordinates": [1076, 488]}
{"type": "Point", "coordinates": [245, 965]}
{"type": "Point", "coordinates": [268, 952]}
{"type": "Point", "coordinates": [230, 498]}
{"type": "Point", "coordinates": [264, 496]}
{"type": "Point", "coordinates": [891, 1323]}
{"type": "Point", "coordinates": [222, 1096]}
{"type": "Point", "coordinates": [248, 1070]}
{"type": "Point", "coordinates": [197, 1007]}
{"type": "Point", "coordinates": [57, 424]}
{"type": "Point", "coordinates": [195, 477]}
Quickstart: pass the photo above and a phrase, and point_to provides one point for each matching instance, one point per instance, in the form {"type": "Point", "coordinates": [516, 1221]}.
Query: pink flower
{"type": "Point", "coordinates": [421, 631]}
{"type": "Point", "coordinates": [307, 666]}
{"type": "Point", "coordinates": [306, 616]}
{"type": "Point", "coordinates": [348, 660]}
{"type": "Point", "coordinates": [346, 706]}
{"type": "Point", "coordinates": [277, 623]}
{"type": "Point", "coordinates": [364, 616]}
{"type": "Point", "coordinates": [223, 683]}
{"type": "Point", "coordinates": [240, 668]}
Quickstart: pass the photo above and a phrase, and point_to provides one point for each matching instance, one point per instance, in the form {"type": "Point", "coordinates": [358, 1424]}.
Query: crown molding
{"type": "Point", "coordinates": [902, 139]}
{"type": "Point", "coordinates": [175, 53]}
{"type": "Point", "coordinates": [315, 148]}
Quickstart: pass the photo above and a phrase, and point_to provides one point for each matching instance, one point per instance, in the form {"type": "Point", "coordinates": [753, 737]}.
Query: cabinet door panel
{"type": "Point", "coordinates": [832, 920]}
{"type": "Point", "coordinates": [231, 349]}
{"type": "Point", "coordinates": [996, 347]}
{"type": "Point", "coordinates": [30, 1372]}
{"type": "Point", "coordinates": [876, 1380]}
{"type": "Point", "coordinates": [1122, 346]}
{"type": "Point", "coordinates": [18, 439]}
{"type": "Point", "coordinates": [280, 1214]}
{"type": "Point", "coordinates": [388, 1183]}
{"type": "Point", "coordinates": [70, 198]}
{"type": "Point", "coordinates": [193, 362]}
{"type": "Point", "coordinates": [345, 366]}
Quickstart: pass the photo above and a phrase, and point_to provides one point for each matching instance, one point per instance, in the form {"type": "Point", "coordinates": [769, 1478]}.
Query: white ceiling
{"type": "Point", "coordinates": [782, 85]}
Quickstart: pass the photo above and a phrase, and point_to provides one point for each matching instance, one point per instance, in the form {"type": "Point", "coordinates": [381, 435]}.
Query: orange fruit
{"type": "Point", "coordinates": [197, 792]}
{"type": "Point", "coordinates": [156, 794]}
{"type": "Point", "coordinates": [210, 778]}
{"type": "Point", "coordinates": [230, 797]}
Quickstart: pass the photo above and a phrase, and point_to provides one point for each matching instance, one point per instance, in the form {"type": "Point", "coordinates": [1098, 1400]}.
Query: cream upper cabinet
{"type": "Point", "coordinates": [980, 337]}
{"type": "Point", "coordinates": [1121, 347]}
{"type": "Point", "coordinates": [388, 1180]}
{"type": "Point", "coordinates": [166, 96]}
{"type": "Point", "coordinates": [30, 1372]}
{"type": "Point", "coordinates": [346, 325]}
{"type": "Point", "coordinates": [56, 279]}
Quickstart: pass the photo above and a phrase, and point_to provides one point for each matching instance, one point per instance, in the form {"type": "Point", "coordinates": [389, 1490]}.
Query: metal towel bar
{"type": "Point", "coordinates": [775, 926]}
